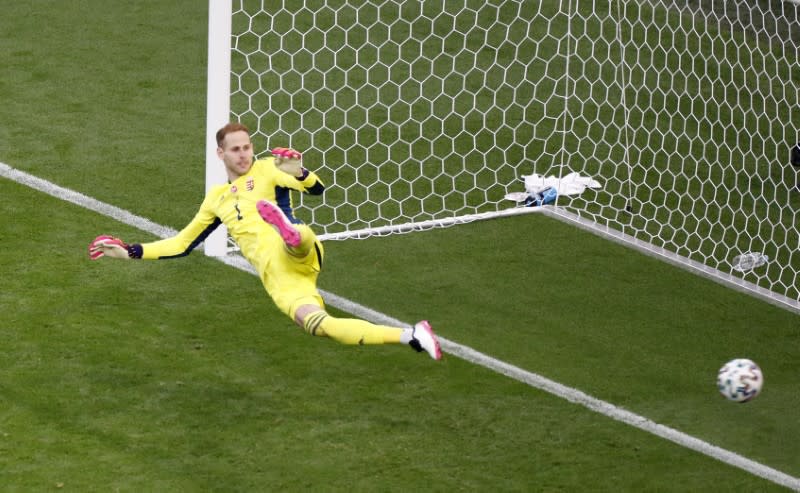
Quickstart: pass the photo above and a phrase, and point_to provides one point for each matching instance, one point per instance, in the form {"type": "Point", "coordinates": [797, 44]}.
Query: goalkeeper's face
{"type": "Point", "coordinates": [237, 154]}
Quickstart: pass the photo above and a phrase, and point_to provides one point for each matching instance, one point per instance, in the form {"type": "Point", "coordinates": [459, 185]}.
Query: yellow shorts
{"type": "Point", "coordinates": [292, 281]}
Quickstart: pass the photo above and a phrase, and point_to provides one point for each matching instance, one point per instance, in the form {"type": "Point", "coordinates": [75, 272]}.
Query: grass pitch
{"type": "Point", "coordinates": [181, 375]}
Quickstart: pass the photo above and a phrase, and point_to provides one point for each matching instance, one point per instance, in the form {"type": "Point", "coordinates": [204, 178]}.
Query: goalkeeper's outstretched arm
{"type": "Point", "coordinates": [179, 245]}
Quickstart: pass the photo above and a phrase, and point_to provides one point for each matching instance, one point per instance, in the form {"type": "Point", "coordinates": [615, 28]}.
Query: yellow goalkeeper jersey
{"type": "Point", "coordinates": [234, 205]}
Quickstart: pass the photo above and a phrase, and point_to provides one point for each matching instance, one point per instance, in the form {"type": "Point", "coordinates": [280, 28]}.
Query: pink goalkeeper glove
{"type": "Point", "coordinates": [105, 245]}
{"type": "Point", "coordinates": [289, 161]}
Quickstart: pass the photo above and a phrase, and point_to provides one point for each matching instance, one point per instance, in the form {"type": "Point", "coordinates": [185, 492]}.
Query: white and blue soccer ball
{"type": "Point", "coordinates": [740, 380]}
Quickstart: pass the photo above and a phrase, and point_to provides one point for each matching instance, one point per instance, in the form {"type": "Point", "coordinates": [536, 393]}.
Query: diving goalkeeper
{"type": "Point", "coordinates": [256, 207]}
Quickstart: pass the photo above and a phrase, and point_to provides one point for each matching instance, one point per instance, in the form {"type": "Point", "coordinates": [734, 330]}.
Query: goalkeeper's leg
{"type": "Point", "coordinates": [298, 238]}
{"type": "Point", "coordinates": [307, 240]}
{"type": "Point", "coordinates": [318, 322]}
{"type": "Point", "coordinates": [346, 330]}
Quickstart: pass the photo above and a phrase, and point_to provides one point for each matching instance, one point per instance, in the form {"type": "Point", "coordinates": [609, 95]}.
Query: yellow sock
{"type": "Point", "coordinates": [307, 238]}
{"type": "Point", "coordinates": [350, 330]}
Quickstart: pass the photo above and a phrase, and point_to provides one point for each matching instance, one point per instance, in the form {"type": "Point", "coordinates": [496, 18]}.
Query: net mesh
{"type": "Point", "coordinates": [416, 111]}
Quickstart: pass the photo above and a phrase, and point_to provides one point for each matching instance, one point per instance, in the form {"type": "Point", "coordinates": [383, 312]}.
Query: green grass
{"type": "Point", "coordinates": [150, 376]}
{"type": "Point", "coordinates": [182, 376]}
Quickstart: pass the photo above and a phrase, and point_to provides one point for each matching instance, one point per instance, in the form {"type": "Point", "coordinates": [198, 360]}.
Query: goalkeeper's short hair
{"type": "Point", "coordinates": [229, 129]}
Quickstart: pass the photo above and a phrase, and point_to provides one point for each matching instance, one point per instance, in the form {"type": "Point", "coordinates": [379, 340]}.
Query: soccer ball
{"type": "Point", "coordinates": [740, 380]}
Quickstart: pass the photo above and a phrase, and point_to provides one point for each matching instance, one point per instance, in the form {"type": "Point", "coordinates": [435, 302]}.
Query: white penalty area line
{"type": "Point", "coordinates": [458, 350]}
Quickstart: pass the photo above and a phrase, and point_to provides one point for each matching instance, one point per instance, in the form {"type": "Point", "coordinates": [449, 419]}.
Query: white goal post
{"type": "Point", "coordinates": [218, 106]}
{"type": "Point", "coordinates": [424, 114]}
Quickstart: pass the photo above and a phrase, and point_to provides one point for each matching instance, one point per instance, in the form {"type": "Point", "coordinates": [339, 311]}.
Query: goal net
{"type": "Point", "coordinates": [418, 114]}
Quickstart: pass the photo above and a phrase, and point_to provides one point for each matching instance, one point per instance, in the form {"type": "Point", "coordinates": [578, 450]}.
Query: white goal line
{"type": "Point", "coordinates": [458, 350]}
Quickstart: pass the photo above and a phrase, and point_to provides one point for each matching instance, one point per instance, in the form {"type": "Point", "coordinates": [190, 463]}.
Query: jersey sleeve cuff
{"type": "Point", "coordinates": [135, 250]}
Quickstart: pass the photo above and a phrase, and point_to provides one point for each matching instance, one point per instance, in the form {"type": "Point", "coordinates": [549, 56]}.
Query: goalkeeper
{"type": "Point", "coordinates": [256, 207]}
